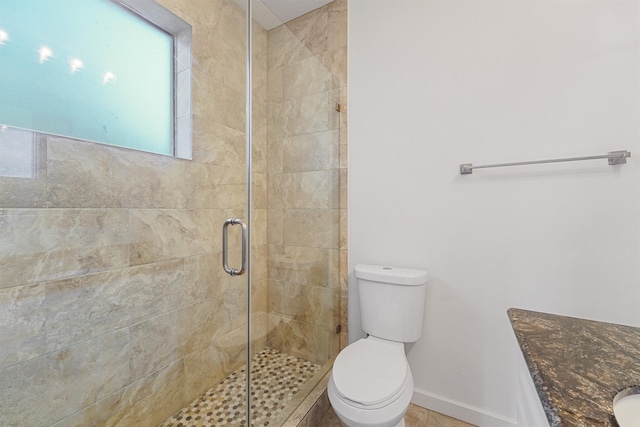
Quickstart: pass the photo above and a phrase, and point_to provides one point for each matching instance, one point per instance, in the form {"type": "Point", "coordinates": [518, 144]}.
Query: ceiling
{"type": "Point", "coordinates": [271, 13]}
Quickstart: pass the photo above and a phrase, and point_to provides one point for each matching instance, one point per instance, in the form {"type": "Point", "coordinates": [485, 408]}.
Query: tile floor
{"type": "Point", "coordinates": [276, 377]}
{"type": "Point", "coordinates": [416, 417]}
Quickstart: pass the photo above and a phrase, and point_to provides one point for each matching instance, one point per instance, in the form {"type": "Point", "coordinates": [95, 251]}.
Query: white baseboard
{"type": "Point", "coordinates": [461, 411]}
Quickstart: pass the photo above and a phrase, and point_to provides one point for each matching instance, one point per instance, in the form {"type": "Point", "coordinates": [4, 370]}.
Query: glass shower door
{"type": "Point", "coordinates": [114, 308]}
{"type": "Point", "coordinates": [287, 179]}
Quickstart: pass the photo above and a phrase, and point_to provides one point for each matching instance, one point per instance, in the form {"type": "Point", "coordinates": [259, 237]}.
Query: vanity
{"type": "Point", "coordinates": [572, 369]}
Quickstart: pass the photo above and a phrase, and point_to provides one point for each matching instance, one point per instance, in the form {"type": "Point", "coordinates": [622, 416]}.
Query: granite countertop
{"type": "Point", "coordinates": [577, 365]}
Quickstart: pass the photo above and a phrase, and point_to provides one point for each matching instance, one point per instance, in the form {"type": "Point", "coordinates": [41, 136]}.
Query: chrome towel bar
{"type": "Point", "coordinates": [614, 157]}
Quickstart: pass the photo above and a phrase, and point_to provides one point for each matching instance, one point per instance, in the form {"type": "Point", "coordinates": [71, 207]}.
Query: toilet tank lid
{"type": "Point", "coordinates": [394, 275]}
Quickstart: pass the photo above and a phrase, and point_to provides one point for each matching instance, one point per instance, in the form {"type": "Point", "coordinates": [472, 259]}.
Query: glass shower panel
{"type": "Point", "coordinates": [297, 207]}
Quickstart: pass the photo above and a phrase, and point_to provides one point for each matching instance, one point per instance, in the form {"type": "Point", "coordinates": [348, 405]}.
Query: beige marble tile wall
{"type": "Point", "coordinates": [307, 183]}
{"type": "Point", "coordinates": [113, 306]}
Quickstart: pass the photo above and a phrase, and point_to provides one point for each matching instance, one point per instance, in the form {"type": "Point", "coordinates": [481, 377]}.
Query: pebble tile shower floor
{"type": "Point", "coordinates": [276, 379]}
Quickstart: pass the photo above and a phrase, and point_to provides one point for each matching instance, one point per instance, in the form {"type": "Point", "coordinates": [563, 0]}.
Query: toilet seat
{"type": "Point", "coordinates": [371, 373]}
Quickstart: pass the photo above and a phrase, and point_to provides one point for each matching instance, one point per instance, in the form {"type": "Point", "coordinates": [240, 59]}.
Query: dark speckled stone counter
{"type": "Point", "coordinates": [577, 365]}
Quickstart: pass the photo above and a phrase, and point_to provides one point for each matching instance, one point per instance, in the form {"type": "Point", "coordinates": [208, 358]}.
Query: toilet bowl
{"type": "Point", "coordinates": [371, 384]}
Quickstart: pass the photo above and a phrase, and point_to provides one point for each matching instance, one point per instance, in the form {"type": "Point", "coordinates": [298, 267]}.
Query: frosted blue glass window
{"type": "Point", "coordinates": [98, 70]}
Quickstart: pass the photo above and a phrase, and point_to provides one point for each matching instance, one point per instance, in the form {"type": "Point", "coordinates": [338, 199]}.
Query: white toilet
{"type": "Point", "coordinates": [371, 383]}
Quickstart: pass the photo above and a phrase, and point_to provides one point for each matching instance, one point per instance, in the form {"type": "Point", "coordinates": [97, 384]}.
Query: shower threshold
{"type": "Point", "coordinates": [276, 380]}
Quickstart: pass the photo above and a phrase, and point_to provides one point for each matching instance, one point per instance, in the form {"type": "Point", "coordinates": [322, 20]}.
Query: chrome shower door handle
{"type": "Point", "coordinates": [243, 268]}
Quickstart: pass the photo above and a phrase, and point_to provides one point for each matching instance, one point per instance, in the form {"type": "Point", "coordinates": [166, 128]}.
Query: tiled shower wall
{"type": "Point", "coordinates": [307, 183]}
{"type": "Point", "coordinates": [113, 306]}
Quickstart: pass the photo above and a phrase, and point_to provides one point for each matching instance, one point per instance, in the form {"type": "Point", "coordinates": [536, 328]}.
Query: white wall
{"type": "Point", "coordinates": [436, 83]}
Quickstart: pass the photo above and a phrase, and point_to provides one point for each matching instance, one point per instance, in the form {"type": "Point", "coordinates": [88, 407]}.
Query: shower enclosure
{"type": "Point", "coordinates": [115, 309]}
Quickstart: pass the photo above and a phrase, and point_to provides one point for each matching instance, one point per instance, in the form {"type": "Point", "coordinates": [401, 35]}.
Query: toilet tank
{"type": "Point", "coordinates": [391, 301]}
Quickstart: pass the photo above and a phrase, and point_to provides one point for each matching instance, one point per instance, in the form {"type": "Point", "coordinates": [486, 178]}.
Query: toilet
{"type": "Point", "coordinates": [371, 383]}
